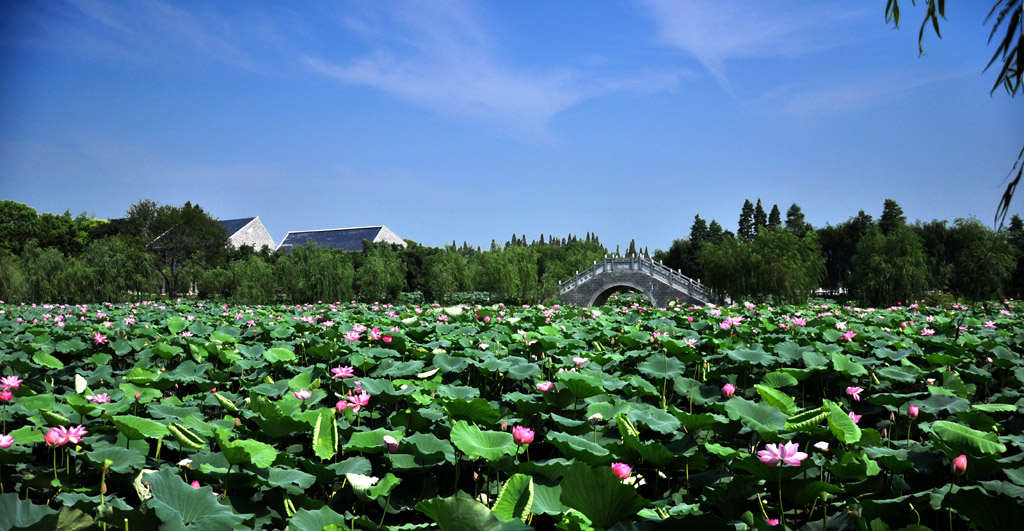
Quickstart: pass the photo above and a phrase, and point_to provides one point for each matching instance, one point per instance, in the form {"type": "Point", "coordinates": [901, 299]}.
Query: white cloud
{"type": "Point", "coordinates": [715, 31]}
{"type": "Point", "coordinates": [439, 55]}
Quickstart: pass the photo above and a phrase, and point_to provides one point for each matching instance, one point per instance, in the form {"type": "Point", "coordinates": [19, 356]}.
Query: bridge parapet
{"type": "Point", "coordinates": [654, 279]}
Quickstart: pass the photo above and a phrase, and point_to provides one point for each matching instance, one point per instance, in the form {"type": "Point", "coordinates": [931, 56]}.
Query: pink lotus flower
{"type": "Point", "coordinates": [854, 417]}
{"type": "Point", "coordinates": [621, 470]}
{"type": "Point", "coordinates": [6, 441]}
{"type": "Point", "coordinates": [358, 401]}
{"type": "Point", "coordinates": [849, 335]}
{"type": "Point", "coordinates": [6, 395]}
{"type": "Point", "coordinates": [990, 324]}
{"type": "Point", "coordinates": [772, 521]}
{"type": "Point", "coordinates": [960, 465]}
{"type": "Point", "coordinates": [195, 484]}
{"type": "Point", "coordinates": [186, 333]}
{"type": "Point", "coordinates": [342, 372]}
{"type": "Point", "coordinates": [545, 386]}
{"type": "Point", "coordinates": [855, 392]}
{"type": "Point", "coordinates": [352, 335]}
{"type": "Point", "coordinates": [788, 453]}
{"type": "Point", "coordinates": [342, 405]}
{"type": "Point", "coordinates": [375, 333]}
{"type": "Point", "coordinates": [99, 399]}
{"type": "Point", "coordinates": [522, 435]}
{"type": "Point", "coordinates": [579, 361]}
{"type": "Point", "coordinates": [927, 332]}
{"type": "Point", "coordinates": [728, 390]}
{"type": "Point", "coordinates": [912, 411]}
{"type": "Point", "coordinates": [10, 382]}
{"type": "Point", "coordinates": [388, 339]}
{"type": "Point", "coordinates": [391, 444]}
{"type": "Point", "coordinates": [54, 438]}
{"type": "Point", "coordinates": [302, 394]}
{"type": "Point", "coordinates": [99, 339]}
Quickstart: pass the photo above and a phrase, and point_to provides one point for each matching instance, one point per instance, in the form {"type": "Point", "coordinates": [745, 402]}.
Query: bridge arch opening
{"type": "Point", "coordinates": [602, 297]}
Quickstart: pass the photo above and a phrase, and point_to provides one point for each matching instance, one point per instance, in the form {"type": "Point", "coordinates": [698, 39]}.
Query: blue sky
{"type": "Point", "coordinates": [471, 121]}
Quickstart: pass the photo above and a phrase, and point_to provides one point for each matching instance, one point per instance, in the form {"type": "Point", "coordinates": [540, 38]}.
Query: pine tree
{"type": "Point", "coordinates": [760, 218]}
{"type": "Point", "coordinates": [775, 218]}
{"type": "Point", "coordinates": [715, 231]}
{"type": "Point", "coordinates": [632, 249]}
{"type": "Point", "coordinates": [699, 230]}
{"type": "Point", "coordinates": [892, 217]}
{"type": "Point", "coordinates": [746, 228]}
{"type": "Point", "coordinates": [795, 220]}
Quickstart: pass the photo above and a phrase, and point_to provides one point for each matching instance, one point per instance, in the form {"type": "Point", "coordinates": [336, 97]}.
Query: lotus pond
{"type": "Point", "coordinates": [201, 415]}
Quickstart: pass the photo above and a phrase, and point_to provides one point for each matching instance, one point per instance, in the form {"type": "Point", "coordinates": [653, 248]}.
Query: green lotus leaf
{"type": "Point", "coordinates": [845, 365]}
{"type": "Point", "coordinates": [47, 360]}
{"type": "Point", "coordinates": [428, 445]}
{"type": "Point", "coordinates": [599, 495]}
{"type": "Point", "coordinates": [15, 512]}
{"type": "Point", "coordinates": [180, 506]}
{"type": "Point", "coordinates": [458, 513]}
{"type": "Point", "coordinates": [515, 499]}
{"type": "Point", "coordinates": [370, 441]}
{"type": "Point", "coordinates": [176, 324]}
{"type": "Point", "coordinates": [580, 385]}
{"type": "Point", "coordinates": [661, 366]}
{"type": "Point", "coordinates": [475, 442]}
{"type": "Point", "coordinates": [278, 355]}
{"type": "Point", "coordinates": [325, 434]}
{"type": "Point", "coordinates": [765, 419]}
{"type": "Point", "coordinates": [122, 460]}
{"type": "Point", "coordinates": [476, 411]}
{"type": "Point", "coordinates": [306, 520]}
{"type": "Point", "coordinates": [574, 446]}
{"type": "Point", "coordinates": [755, 356]}
{"type": "Point", "coordinates": [777, 398]}
{"type": "Point", "coordinates": [964, 439]}
{"type": "Point", "coordinates": [842, 425]}
{"type": "Point", "coordinates": [136, 428]}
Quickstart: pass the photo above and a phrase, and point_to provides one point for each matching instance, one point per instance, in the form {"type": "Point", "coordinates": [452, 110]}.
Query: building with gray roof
{"type": "Point", "coordinates": [350, 239]}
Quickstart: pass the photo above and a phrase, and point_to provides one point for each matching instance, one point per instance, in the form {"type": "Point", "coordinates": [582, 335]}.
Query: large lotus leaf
{"type": "Point", "coordinates": [459, 513]}
{"type": "Point", "coordinates": [47, 360]}
{"type": "Point", "coordinates": [515, 499]}
{"type": "Point", "coordinates": [765, 419]}
{"type": "Point", "coordinates": [306, 520]}
{"type": "Point", "coordinates": [325, 434]}
{"type": "Point", "coordinates": [814, 360]}
{"type": "Point", "coordinates": [176, 324]}
{"type": "Point", "coordinates": [580, 385]}
{"type": "Point", "coordinates": [986, 509]}
{"type": "Point", "coordinates": [573, 446]}
{"type": "Point", "coordinates": [963, 439]}
{"type": "Point", "coordinates": [293, 480]}
{"type": "Point", "coordinates": [599, 495]}
{"type": "Point", "coordinates": [754, 356]}
{"type": "Point", "coordinates": [661, 366]}
{"type": "Point", "coordinates": [474, 442]}
{"type": "Point", "coordinates": [547, 500]}
{"type": "Point", "coordinates": [656, 419]}
{"type": "Point", "coordinates": [136, 428]}
{"type": "Point", "coordinates": [246, 451]}
{"type": "Point", "coordinates": [123, 460]}
{"type": "Point", "coordinates": [476, 410]}
{"type": "Point", "coordinates": [845, 365]}
{"type": "Point", "coordinates": [521, 369]}
{"type": "Point", "coordinates": [807, 421]}
{"type": "Point", "coordinates": [180, 506]}
{"type": "Point", "coordinates": [449, 363]}
{"type": "Point", "coordinates": [776, 380]}
{"type": "Point", "coordinates": [897, 374]}
{"type": "Point", "coordinates": [15, 512]}
{"type": "Point", "coordinates": [842, 425]}
{"type": "Point", "coordinates": [941, 405]}
{"type": "Point", "coordinates": [790, 351]}
{"type": "Point", "coordinates": [777, 398]}
{"type": "Point", "coordinates": [278, 355]}
{"type": "Point", "coordinates": [370, 441]}
{"type": "Point", "coordinates": [427, 445]}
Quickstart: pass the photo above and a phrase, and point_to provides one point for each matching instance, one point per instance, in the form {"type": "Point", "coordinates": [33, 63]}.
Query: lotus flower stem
{"type": "Point", "coordinates": [782, 510]}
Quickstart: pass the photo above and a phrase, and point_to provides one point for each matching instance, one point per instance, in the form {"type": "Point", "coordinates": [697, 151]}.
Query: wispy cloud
{"type": "Point", "coordinates": [439, 55]}
{"type": "Point", "coordinates": [715, 32]}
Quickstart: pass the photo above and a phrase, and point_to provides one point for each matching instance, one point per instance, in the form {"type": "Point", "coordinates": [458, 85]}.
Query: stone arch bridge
{"type": "Point", "coordinates": [659, 283]}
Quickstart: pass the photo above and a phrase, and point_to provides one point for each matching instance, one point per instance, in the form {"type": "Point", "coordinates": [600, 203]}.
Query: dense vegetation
{"type": "Point", "coordinates": [193, 415]}
{"type": "Point", "coordinates": [160, 248]}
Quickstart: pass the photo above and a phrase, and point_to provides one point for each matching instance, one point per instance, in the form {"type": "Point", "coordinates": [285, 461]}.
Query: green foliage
{"type": "Point", "coordinates": [889, 268]}
{"type": "Point", "coordinates": [381, 276]}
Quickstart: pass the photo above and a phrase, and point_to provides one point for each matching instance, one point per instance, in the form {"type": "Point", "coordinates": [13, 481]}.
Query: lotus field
{"type": "Point", "coordinates": [202, 415]}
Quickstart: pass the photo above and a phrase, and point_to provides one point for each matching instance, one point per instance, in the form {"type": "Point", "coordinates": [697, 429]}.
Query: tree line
{"type": "Point", "coordinates": [874, 263]}
{"type": "Point", "coordinates": [175, 250]}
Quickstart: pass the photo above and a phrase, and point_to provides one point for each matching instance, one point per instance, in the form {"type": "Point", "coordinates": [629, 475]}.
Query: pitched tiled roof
{"type": "Point", "coordinates": [350, 239]}
{"type": "Point", "coordinates": [234, 225]}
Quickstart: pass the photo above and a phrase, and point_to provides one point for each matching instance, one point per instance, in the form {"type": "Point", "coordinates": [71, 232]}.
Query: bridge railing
{"type": "Point", "coordinates": [667, 275]}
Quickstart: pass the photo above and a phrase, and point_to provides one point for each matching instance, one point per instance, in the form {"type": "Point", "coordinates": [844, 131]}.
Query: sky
{"type": "Point", "coordinates": [472, 121]}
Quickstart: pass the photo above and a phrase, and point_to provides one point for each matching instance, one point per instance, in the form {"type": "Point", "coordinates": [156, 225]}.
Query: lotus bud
{"type": "Point", "coordinates": [960, 465]}
{"type": "Point", "coordinates": [595, 418]}
{"type": "Point", "coordinates": [391, 444]}
{"type": "Point", "coordinates": [912, 411]}
{"type": "Point", "coordinates": [728, 390]}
